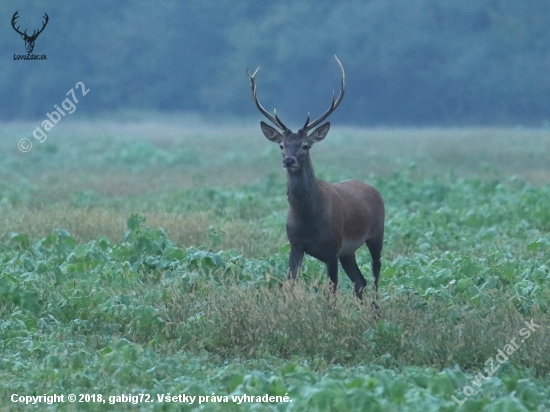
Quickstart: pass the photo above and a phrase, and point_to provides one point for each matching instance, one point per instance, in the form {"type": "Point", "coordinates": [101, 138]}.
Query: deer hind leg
{"type": "Point", "coordinates": [352, 270]}
{"type": "Point", "coordinates": [375, 249]}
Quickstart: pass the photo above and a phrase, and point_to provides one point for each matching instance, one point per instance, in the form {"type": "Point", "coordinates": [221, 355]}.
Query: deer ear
{"type": "Point", "coordinates": [320, 133]}
{"type": "Point", "coordinates": [271, 133]}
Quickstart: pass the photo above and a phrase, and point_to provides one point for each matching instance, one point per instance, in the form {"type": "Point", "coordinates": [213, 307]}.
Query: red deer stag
{"type": "Point", "coordinates": [327, 221]}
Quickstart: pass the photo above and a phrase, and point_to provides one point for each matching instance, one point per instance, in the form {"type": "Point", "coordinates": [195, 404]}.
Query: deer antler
{"type": "Point", "coordinates": [35, 35]}
{"type": "Point", "coordinates": [333, 105]}
{"type": "Point", "coordinates": [13, 19]}
{"type": "Point", "coordinates": [275, 120]}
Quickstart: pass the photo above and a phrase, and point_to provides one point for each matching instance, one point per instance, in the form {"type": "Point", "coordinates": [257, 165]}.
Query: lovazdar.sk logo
{"type": "Point", "coordinates": [29, 39]}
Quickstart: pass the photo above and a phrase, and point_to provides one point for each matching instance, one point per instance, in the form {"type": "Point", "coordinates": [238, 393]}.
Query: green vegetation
{"type": "Point", "coordinates": [149, 257]}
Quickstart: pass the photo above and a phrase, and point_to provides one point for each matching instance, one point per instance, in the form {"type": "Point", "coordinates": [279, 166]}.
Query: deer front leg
{"type": "Point", "coordinates": [294, 261]}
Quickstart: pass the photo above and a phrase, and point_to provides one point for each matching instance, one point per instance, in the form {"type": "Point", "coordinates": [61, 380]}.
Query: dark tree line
{"type": "Point", "coordinates": [407, 62]}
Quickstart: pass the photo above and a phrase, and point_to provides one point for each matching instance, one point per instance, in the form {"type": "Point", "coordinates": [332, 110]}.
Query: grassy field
{"type": "Point", "coordinates": [147, 257]}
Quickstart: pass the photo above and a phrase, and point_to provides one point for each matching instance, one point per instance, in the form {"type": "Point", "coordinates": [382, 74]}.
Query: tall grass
{"type": "Point", "coordinates": [297, 321]}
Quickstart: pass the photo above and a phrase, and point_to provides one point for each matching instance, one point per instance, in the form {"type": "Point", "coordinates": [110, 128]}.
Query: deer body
{"type": "Point", "coordinates": [327, 221]}
{"type": "Point", "coordinates": [339, 223]}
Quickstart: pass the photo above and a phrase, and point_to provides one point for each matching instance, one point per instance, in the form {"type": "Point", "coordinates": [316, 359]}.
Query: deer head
{"type": "Point", "coordinates": [29, 40]}
{"type": "Point", "coordinates": [295, 146]}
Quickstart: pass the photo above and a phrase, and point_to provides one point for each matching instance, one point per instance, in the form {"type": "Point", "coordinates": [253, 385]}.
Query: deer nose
{"type": "Point", "coordinates": [289, 161]}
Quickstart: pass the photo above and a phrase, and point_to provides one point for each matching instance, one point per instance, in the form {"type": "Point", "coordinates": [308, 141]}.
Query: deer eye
{"type": "Point", "coordinates": [281, 146]}
{"type": "Point", "coordinates": [305, 146]}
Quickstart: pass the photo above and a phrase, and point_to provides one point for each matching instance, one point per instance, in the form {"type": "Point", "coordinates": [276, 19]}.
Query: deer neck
{"type": "Point", "coordinates": [303, 190]}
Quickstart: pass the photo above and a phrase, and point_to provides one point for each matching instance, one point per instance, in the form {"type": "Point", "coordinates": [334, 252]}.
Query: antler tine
{"type": "Point", "coordinates": [281, 124]}
{"type": "Point", "coordinates": [333, 104]}
{"type": "Point", "coordinates": [307, 121]}
{"type": "Point", "coordinates": [275, 120]}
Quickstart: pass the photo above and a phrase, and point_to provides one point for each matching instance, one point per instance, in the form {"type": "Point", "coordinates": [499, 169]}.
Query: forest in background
{"type": "Point", "coordinates": [407, 62]}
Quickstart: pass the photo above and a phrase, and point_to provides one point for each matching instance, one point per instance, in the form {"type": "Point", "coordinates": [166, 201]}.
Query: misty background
{"type": "Point", "coordinates": [407, 62]}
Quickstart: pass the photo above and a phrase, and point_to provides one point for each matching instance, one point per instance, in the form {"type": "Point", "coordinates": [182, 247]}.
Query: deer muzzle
{"type": "Point", "coordinates": [289, 162]}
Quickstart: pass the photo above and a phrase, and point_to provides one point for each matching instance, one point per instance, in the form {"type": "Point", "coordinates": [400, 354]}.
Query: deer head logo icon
{"type": "Point", "coordinates": [29, 40]}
